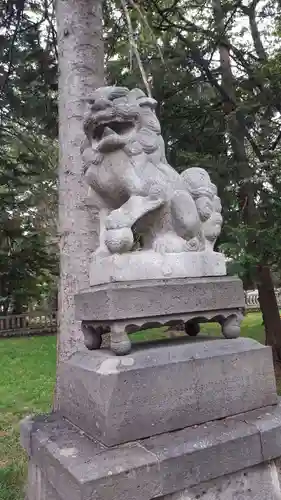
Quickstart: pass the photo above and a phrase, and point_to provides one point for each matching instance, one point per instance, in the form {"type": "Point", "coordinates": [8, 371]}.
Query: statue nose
{"type": "Point", "coordinates": [101, 104]}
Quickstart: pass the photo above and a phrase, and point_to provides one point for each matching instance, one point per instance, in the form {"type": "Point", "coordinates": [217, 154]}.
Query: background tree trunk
{"type": "Point", "coordinates": [270, 311]}
{"type": "Point", "coordinates": [81, 69]}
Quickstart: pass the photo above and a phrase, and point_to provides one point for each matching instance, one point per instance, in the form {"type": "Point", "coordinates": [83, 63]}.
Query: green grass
{"type": "Point", "coordinates": [26, 386]}
{"type": "Point", "coordinates": [251, 327]}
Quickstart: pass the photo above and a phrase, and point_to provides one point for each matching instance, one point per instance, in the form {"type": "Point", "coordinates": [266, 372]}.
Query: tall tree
{"type": "Point", "coordinates": [28, 255]}
{"type": "Point", "coordinates": [81, 69]}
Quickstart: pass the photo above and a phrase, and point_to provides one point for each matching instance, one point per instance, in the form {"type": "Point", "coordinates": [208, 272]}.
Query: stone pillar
{"type": "Point", "coordinates": [81, 69]}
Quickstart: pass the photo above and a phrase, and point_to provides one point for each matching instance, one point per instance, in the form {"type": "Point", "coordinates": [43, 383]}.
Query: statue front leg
{"type": "Point", "coordinates": [119, 237]}
{"type": "Point", "coordinates": [133, 210]}
{"type": "Point", "coordinates": [102, 250]}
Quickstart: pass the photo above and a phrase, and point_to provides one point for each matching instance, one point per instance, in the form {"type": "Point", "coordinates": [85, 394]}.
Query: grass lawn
{"type": "Point", "coordinates": [26, 386]}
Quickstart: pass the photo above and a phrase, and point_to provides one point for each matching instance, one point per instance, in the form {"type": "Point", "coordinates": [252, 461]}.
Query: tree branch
{"type": "Point", "coordinates": [203, 65]}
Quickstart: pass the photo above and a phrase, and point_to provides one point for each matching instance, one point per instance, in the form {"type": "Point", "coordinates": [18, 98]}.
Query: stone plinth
{"type": "Point", "coordinates": [164, 387]}
{"type": "Point", "coordinates": [259, 483]}
{"type": "Point", "coordinates": [146, 265]}
{"type": "Point", "coordinates": [124, 307]}
{"type": "Point", "coordinates": [222, 460]}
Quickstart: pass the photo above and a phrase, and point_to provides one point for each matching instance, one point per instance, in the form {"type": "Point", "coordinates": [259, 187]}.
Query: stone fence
{"type": "Point", "coordinates": [32, 323]}
{"type": "Point", "coordinates": [252, 299]}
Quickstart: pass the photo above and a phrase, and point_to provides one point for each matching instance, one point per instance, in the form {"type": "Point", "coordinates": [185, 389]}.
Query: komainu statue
{"type": "Point", "coordinates": [137, 192]}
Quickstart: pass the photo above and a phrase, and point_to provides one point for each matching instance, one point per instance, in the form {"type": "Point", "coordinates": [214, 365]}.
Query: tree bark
{"type": "Point", "coordinates": [81, 70]}
{"type": "Point", "coordinates": [251, 11]}
{"type": "Point", "coordinates": [236, 132]}
{"type": "Point", "coordinates": [270, 311]}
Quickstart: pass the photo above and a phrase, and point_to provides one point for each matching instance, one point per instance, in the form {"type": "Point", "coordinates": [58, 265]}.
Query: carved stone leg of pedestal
{"type": "Point", "coordinates": [120, 343]}
{"type": "Point", "coordinates": [231, 326]}
{"type": "Point", "coordinates": [191, 328]}
{"type": "Point", "coordinates": [92, 336]}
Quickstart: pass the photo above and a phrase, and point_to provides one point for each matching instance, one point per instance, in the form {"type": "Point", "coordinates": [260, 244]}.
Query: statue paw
{"type": "Point", "coordinates": [114, 221]}
{"type": "Point", "coordinates": [101, 252]}
{"type": "Point", "coordinates": [119, 240]}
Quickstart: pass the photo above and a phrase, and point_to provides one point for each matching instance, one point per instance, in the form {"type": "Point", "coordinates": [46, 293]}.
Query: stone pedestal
{"type": "Point", "coordinates": [222, 460]}
{"type": "Point", "coordinates": [150, 265]}
{"type": "Point", "coordinates": [126, 307]}
{"type": "Point", "coordinates": [190, 420]}
{"type": "Point", "coordinates": [164, 387]}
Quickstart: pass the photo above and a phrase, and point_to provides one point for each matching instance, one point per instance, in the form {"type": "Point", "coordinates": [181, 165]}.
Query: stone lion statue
{"type": "Point", "coordinates": [137, 190]}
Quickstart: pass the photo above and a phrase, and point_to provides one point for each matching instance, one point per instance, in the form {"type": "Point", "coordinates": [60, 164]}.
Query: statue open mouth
{"type": "Point", "coordinates": [110, 135]}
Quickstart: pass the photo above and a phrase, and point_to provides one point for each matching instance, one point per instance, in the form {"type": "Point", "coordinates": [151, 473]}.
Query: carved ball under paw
{"type": "Point", "coordinates": [92, 337]}
{"type": "Point", "coordinates": [192, 329]}
{"type": "Point", "coordinates": [119, 240]}
{"type": "Point", "coordinates": [231, 328]}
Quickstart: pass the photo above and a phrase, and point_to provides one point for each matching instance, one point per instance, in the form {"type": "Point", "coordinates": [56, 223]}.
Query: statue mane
{"type": "Point", "coordinates": [111, 110]}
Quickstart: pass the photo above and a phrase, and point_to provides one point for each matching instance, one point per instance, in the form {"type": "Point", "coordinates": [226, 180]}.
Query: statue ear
{"type": "Point", "coordinates": [142, 99]}
{"type": "Point", "coordinates": [147, 101]}
{"type": "Point", "coordinates": [136, 94]}
{"type": "Point", "coordinates": [117, 92]}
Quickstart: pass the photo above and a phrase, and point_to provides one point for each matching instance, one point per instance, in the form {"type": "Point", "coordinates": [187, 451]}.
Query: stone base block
{"type": "Point", "coordinates": [38, 487]}
{"type": "Point", "coordinates": [146, 265]}
{"type": "Point", "coordinates": [126, 307]}
{"type": "Point", "coordinates": [158, 389]}
{"type": "Point", "coordinates": [262, 482]}
{"type": "Point", "coordinates": [257, 483]}
{"type": "Point", "coordinates": [220, 460]}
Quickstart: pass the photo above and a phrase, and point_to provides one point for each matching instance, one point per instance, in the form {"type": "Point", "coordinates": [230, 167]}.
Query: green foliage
{"type": "Point", "coordinates": [222, 114]}
{"type": "Point", "coordinates": [28, 253]}
{"type": "Point", "coordinates": [28, 127]}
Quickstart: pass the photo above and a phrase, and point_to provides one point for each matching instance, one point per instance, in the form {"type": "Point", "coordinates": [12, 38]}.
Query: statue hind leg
{"type": "Point", "coordinates": [186, 220]}
{"type": "Point", "coordinates": [177, 227]}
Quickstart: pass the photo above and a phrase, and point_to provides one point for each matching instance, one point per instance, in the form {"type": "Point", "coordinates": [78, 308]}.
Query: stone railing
{"type": "Point", "coordinates": [33, 323]}
{"type": "Point", "coordinates": [252, 299]}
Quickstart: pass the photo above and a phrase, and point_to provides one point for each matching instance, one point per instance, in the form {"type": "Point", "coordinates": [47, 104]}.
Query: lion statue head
{"type": "Point", "coordinates": [123, 119]}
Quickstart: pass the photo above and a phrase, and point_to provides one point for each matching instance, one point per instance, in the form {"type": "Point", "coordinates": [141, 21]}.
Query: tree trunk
{"type": "Point", "coordinates": [270, 311]}
{"type": "Point", "coordinates": [81, 70]}
{"type": "Point", "coordinates": [234, 128]}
